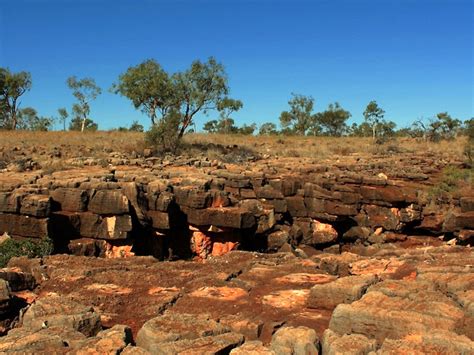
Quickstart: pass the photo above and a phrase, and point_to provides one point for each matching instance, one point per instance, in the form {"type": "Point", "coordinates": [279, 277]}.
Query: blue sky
{"type": "Point", "coordinates": [414, 57]}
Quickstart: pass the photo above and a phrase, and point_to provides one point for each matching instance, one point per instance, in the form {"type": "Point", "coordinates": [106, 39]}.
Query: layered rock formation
{"type": "Point", "coordinates": [173, 211]}
{"type": "Point", "coordinates": [293, 256]}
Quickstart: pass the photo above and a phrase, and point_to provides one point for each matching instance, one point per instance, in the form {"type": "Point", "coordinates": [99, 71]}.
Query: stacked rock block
{"type": "Point", "coordinates": [210, 213]}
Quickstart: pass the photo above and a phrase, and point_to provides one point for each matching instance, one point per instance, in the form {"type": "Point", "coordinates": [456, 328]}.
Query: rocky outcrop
{"type": "Point", "coordinates": [204, 210]}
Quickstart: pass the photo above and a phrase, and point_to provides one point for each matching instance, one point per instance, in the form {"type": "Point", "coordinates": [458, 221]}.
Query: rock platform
{"type": "Point", "coordinates": [275, 256]}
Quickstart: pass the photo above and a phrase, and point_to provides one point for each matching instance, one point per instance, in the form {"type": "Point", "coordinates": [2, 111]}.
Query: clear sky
{"type": "Point", "coordinates": [415, 57]}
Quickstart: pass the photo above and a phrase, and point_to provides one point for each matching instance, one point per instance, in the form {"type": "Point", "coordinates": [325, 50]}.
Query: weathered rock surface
{"type": "Point", "coordinates": [391, 299]}
{"type": "Point", "coordinates": [344, 290]}
{"type": "Point", "coordinates": [55, 311]}
{"type": "Point", "coordinates": [345, 266]}
{"type": "Point", "coordinates": [372, 203]}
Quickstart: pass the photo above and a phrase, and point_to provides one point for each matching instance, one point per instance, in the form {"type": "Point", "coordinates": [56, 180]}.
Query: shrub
{"type": "Point", "coordinates": [164, 136]}
{"type": "Point", "coordinates": [451, 181]}
{"type": "Point", "coordinates": [31, 249]}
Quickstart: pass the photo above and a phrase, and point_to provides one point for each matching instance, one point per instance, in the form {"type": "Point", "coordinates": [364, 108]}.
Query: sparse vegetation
{"type": "Point", "coordinates": [452, 179]}
{"type": "Point", "coordinates": [29, 248]}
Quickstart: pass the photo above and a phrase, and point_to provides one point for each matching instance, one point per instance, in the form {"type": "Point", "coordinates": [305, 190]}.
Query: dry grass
{"type": "Point", "coordinates": [326, 147]}
{"type": "Point", "coordinates": [100, 144]}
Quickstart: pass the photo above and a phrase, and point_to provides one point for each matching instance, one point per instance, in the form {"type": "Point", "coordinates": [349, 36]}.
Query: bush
{"type": "Point", "coordinates": [31, 249]}
{"type": "Point", "coordinates": [451, 181]}
{"type": "Point", "coordinates": [164, 135]}
{"type": "Point", "coordinates": [469, 147]}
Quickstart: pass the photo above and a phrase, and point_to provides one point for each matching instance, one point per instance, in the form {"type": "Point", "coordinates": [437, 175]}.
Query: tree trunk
{"type": "Point", "coordinates": [13, 114]}
{"type": "Point", "coordinates": [14, 120]}
{"type": "Point", "coordinates": [83, 125]}
{"type": "Point", "coordinates": [374, 127]}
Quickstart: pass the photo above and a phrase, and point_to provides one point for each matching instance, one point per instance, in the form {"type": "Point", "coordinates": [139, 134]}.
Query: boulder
{"type": "Point", "coordinates": [110, 341]}
{"type": "Point", "coordinates": [343, 290]}
{"type": "Point", "coordinates": [380, 316]}
{"type": "Point", "coordinates": [24, 226]}
{"type": "Point", "coordinates": [346, 344]}
{"type": "Point", "coordinates": [48, 340]}
{"type": "Point", "coordinates": [17, 279]}
{"type": "Point", "coordinates": [323, 233]}
{"type": "Point", "coordinates": [36, 205]}
{"type": "Point", "coordinates": [170, 328]}
{"type": "Point", "coordinates": [56, 311]}
{"type": "Point", "coordinates": [229, 217]}
{"type": "Point", "coordinates": [5, 298]}
{"type": "Point", "coordinates": [10, 202]}
{"type": "Point", "coordinates": [113, 227]}
{"type": "Point", "coordinates": [295, 340]}
{"type": "Point", "coordinates": [439, 342]}
{"type": "Point", "coordinates": [254, 347]}
{"type": "Point", "coordinates": [109, 202]}
{"type": "Point", "coordinates": [70, 199]}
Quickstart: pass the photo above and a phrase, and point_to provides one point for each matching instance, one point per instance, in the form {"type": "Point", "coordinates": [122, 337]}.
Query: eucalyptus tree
{"type": "Point", "coordinates": [85, 91]}
{"type": "Point", "coordinates": [333, 120]}
{"type": "Point", "coordinates": [374, 115]}
{"type": "Point", "coordinates": [300, 119]}
{"type": "Point", "coordinates": [149, 88]}
{"type": "Point", "coordinates": [177, 97]}
{"type": "Point", "coordinates": [12, 87]}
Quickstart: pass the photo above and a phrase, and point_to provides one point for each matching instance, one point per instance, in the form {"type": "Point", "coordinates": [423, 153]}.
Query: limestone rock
{"type": "Point", "coordinates": [343, 290]}
{"type": "Point", "coordinates": [109, 202]}
{"type": "Point", "coordinates": [69, 199]}
{"type": "Point", "coordinates": [110, 341]}
{"type": "Point", "coordinates": [174, 327]}
{"type": "Point", "coordinates": [346, 344]}
{"type": "Point", "coordinates": [295, 340]}
{"type": "Point", "coordinates": [17, 279]}
{"type": "Point", "coordinates": [24, 226]}
{"type": "Point", "coordinates": [439, 342]}
{"type": "Point", "coordinates": [253, 348]}
{"type": "Point", "coordinates": [380, 316]}
{"type": "Point", "coordinates": [5, 298]}
{"type": "Point", "coordinates": [55, 311]}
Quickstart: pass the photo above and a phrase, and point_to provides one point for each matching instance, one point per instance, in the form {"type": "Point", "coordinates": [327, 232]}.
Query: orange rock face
{"type": "Point", "coordinates": [118, 251]}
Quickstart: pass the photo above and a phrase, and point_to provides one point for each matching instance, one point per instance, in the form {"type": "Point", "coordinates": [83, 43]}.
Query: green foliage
{"type": "Point", "coordinates": [267, 129]}
{"type": "Point", "coordinates": [136, 127]}
{"type": "Point", "coordinates": [448, 126]}
{"type": "Point", "coordinates": [211, 126]}
{"type": "Point", "coordinates": [201, 88]}
{"type": "Point", "coordinates": [12, 87]}
{"type": "Point", "coordinates": [247, 129]}
{"type": "Point", "coordinates": [227, 126]}
{"type": "Point", "coordinates": [164, 135]}
{"type": "Point", "coordinates": [28, 119]}
{"type": "Point", "coordinates": [84, 90]}
{"type": "Point", "coordinates": [436, 129]}
{"type": "Point", "coordinates": [31, 249]}
{"type": "Point", "coordinates": [469, 147]}
{"type": "Point", "coordinates": [333, 120]}
{"type": "Point", "coordinates": [300, 118]}
{"type": "Point", "coordinates": [79, 124]}
{"type": "Point", "coordinates": [149, 88]}
{"type": "Point", "coordinates": [452, 178]}
{"type": "Point", "coordinates": [63, 115]}
{"type": "Point", "coordinates": [373, 115]}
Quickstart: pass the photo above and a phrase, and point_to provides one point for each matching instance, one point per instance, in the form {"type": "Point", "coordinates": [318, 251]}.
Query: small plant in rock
{"type": "Point", "coordinates": [31, 249]}
{"type": "Point", "coordinates": [451, 181]}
